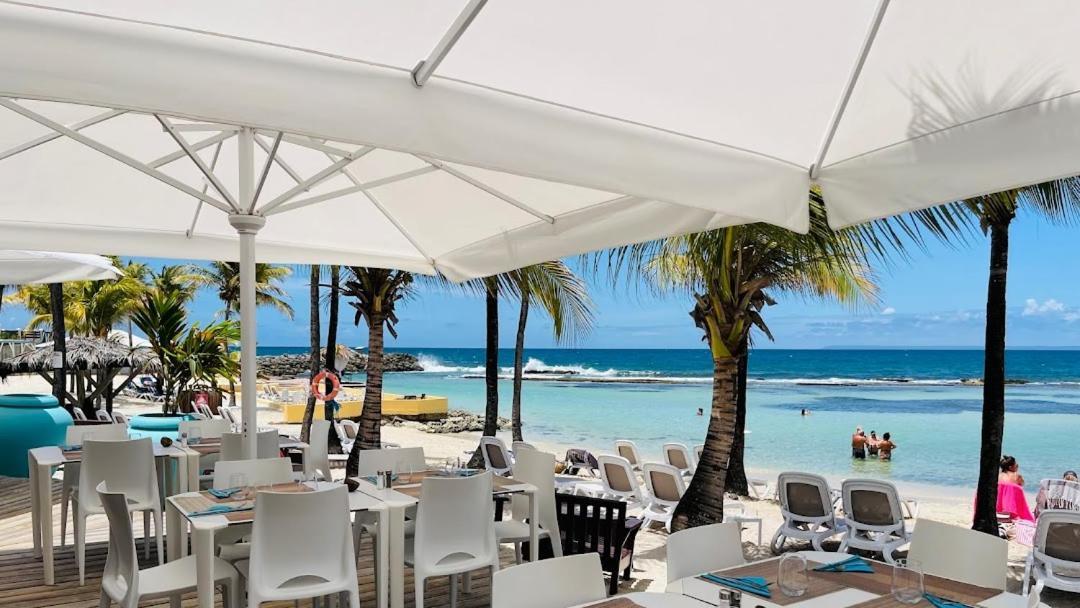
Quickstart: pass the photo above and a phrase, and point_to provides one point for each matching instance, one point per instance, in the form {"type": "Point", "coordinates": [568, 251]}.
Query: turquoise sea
{"type": "Point", "coordinates": [592, 397]}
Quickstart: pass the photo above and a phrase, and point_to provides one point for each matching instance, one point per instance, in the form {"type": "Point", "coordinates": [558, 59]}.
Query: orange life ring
{"type": "Point", "coordinates": [317, 383]}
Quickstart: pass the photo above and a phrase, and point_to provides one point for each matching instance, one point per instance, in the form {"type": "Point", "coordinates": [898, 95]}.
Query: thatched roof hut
{"type": "Point", "coordinates": [84, 354]}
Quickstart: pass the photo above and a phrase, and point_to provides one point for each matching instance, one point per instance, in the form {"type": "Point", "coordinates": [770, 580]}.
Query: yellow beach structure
{"type": "Point", "coordinates": [290, 398]}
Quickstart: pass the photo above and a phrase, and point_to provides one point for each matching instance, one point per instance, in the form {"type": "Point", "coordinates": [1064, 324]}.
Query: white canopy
{"type": "Point", "coordinates": [472, 138]}
{"type": "Point", "coordinates": [30, 267]}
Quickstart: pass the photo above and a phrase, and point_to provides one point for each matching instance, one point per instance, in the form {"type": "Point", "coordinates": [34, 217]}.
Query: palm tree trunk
{"type": "Point", "coordinates": [56, 305]}
{"type": "Point", "coordinates": [993, 414]}
{"type": "Point", "coordinates": [519, 354]}
{"type": "Point", "coordinates": [316, 359]}
{"type": "Point", "coordinates": [491, 371]}
{"type": "Point", "coordinates": [331, 352]}
{"type": "Point", "coordinates": [703, 502]}
{"type": "Point", "coordinates": [736, 474]}
{"type": "Point", "coordinates": [370, 437]}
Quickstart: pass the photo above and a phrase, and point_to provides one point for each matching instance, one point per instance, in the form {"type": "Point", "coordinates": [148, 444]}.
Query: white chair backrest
{"type": "Point", "coordinates": [497, 458]}
{"type": "Point", "coordinates": [119, 418]}
{"type": "Point", "coordinates": [290, 542]}
{"type": "Point", "coordinates": [805, 498]}
{"type": "Point", "coordinates": [698, 449]}
{"type": "Point", "coordinates": [196, 415]}
{"type": "Point", "coordinates": [205, 410]}
{"type": "Point", "coordinates": [102, 416]}
{"type": "Point", "coordinates": [229, 413]}
{"type": "Point", "coordinates": [538, 468]}
{"type": "Point", "coordinates": [1057, 539]}
{"type": "Point", "coordinates": [232, 445]}
{"type": "Point", "coordinates": [78, 414]}
{"type": "Point", "coordinates": [347, 431]}
{"type": "Point", "coordinates": [319, 448]}
{"type": "Point", "coordinates": [617, 477]}
{"type": "Point", "coordinates": [259, 472]}
{"type": "Point", "coordinates": [665, 483]}
{"type": "Point", "coordinates": [456, 515]}
{"type": "Point", "coordinates": [704, 549]}
{"type": "Point", "coordinates": [1058, 495]}
{"type": "Point", "coordinates": [121, 575]}
{"type": "Point", "coordinates": [870, 504]}
{"type": "Point", "coordinates": [628, 450]}
{"type": "Point", "coordinates": [961, 554]}
{"type": "Point", "coordinates": [391, 459]}
{"type": "Point", "coordinates": [678, 456]}
{"type": "Point", "coordinates": [521, 445]}
{"type": "Point", "coordinates": [76, 435]}
{"type": "Point", "coordinates": [551, 583]}
{"type": "Point", "coordinates": [207, 429]}
{"type": "Point", "coordinates": [125, 466]}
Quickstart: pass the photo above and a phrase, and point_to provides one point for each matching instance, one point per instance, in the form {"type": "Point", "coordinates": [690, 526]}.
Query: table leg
{"type": "Point", "coordinates": [396, 557]}
{"type": "Point", "coordinates": [534, 528]}
{"type": "Point", "coordinates": [35, 504]}
{"type": "Point", "coordinates": [44, 488]}
{"type": "Point", "coordinates": [204, 566]}
{"type": "Point", "coordinates": [176, 530]}
{"type": "Point", "coordinates": [192, 471]}
{"type": "Point", "coordinates": [382, 558]}
{"type": "Point", "coordinates": [308, 466]}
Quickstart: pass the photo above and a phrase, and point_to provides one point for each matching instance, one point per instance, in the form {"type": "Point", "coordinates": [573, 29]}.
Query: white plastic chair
{"type": "Point", "coordinates": [70, 473]}
{"type": "Point", "coordinates": [703, 549]}
{"type": "Point", "coordinates": [207, 429]}
{"type": "Point", "coordinates": [536, 468]}
{"type": "Point", "coordinates": [520, 445]}
{"type": "Point", "coordinates": [960, 554]}
{"type": "Point", "coordinates": [1054, 560]}
{"type": "Point", "coordinates": [698, 449]}
{"type": "Point", "coordinates": [103, 416]}
{"type": "Point", "coordinates": [78, 414]}
{"type": "Point", "coordinates": [628, 450]}
{"type": "Point", "coordinates": [666, 487]}
{"type": "Point", "coordinates": [125, 466]}
{"type": "Point", "coordinates": [806, 506]}
{"type": "Point", "coordinates": [122, 581]}
{"type": "Point", "coordinates": [232, 445]}
{"type": "Point", "coordinates": [400, 460]}
{"type": "Point", "coordinates": [319, 449]}
{"type": "Point", "coordinates": [230, 414]}
{"type": "Point", "coordinates": [551, 583]}
{"type": "Point", "coordinates": [295, 555]}
{"type": "Point", "coordinates": [347, 431]}
{"type": "Point", "coordinates": [455, 531]}
{"type": "Point", "coordinates": [119, 418]}
{"type": "Point", "coordinates": [497, 458]}
{"type": "Point", "coordinates": [205, 410]}
{"type": "Point", "coordinates": [231, 541]}
{"type": "Point", "coordinates": [617, 480]}
{"type": "Point", "coordinates": [678, 456]}
{"type": "Point", "coordinates": [874, 517]}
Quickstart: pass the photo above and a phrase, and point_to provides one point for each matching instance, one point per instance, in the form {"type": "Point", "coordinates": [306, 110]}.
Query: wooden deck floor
{"type": "Point", "coordinates": [22, 584]}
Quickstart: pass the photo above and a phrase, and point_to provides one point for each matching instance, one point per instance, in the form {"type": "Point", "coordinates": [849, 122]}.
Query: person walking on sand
{"type": "Point", "coordinates": [885, 447]}
{"type": "Point", "coordinates": [858, 444]}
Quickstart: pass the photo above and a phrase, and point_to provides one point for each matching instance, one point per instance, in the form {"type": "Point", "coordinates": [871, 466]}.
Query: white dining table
{"type": "Point", "coordinates": [392, 520]}
{"type": "Point", "coordinates": [647, 599]}
{"type": "Point", "coordinates": [204, 528]}
{"type": "Point", "coordinates": [708, 593]}
{"type": "Point", "coordinates": [43, 460]}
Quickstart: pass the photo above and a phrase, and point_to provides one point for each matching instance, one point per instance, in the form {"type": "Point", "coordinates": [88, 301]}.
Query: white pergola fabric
{"type": "Point", "coordinates": [31, 267]}
{"type": "Point", "coordinates": [551, 128]}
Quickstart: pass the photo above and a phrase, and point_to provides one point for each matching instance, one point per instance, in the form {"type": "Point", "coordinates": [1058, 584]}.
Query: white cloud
{"type": "Point", "coordinates": [888, 310]}
{"type": "Point", "coordinates": [1033, 307]}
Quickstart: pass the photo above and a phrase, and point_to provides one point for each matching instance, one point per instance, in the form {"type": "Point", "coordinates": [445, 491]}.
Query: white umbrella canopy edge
{"type": "Point", "coordinates": [19, 267]}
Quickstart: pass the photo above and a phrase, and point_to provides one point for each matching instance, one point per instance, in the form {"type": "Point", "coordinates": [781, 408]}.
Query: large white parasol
{"type": "Point", "coordinates": [471, 138]}
{"type": "Point", "coordinates": [31, 267]}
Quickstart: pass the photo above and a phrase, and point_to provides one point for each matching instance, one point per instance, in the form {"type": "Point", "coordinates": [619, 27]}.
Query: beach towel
{"type": "Point", "coordinates": [1057, 494]}
{"type": "Point", "coordinates": [1011, 500]}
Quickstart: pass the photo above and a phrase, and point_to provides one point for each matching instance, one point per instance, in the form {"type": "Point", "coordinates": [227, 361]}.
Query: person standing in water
{"type": "Point", "coordinates": [885, 447]}
{"type": "Point", "coordinates": [858, 444]}
{"type": "Point", "coordinates": [872, 444]}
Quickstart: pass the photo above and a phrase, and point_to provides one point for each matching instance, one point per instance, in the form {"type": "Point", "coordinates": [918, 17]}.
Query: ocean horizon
{"type": "Point", "coordinates": [928, 399]}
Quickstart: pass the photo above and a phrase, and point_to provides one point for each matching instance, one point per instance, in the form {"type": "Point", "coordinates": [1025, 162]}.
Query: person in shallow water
{"type": "Point", "coordinates": [885, 447]}
{"type": "Point", "coordinates": [858, 444]}
{"type": "Point", "coordinates": [872, 444]}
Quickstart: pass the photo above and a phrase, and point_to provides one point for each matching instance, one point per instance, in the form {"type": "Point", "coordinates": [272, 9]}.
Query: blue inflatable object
{"type": "Point", "coordinates": [28, 421]}
{"type": "Point", "coordinates": [156, 426]}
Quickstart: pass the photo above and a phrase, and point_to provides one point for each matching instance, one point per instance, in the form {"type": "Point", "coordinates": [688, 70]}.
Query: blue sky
{"type": "Point", "coordinates": [938, 299]}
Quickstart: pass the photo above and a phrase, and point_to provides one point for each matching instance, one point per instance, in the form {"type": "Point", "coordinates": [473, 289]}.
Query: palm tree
{"type": "Point", "coordinates": [376, 293]}
{"type": "Point", "coordinates": [224, 277]}
{"type": "Point", "coordinates": [314, 334]}
{"type": "Point", "coordinates": [162, 317]}
{"type": "Point", "coordinates": [564, 296]}
{"type": "Point", "coordinates": [731, 273]}
{"type": "Point", "coordinates": [1057, 201]}
{"type": "Point", "coordinates": [334, 444]}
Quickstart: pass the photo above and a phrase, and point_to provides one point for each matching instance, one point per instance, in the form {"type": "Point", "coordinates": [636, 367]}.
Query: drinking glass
{"type": "Point", "coordinates": [194, 436]}
{"type": "Point", "coordinates": [238, 480]}
{"type": "Point", "coordinates": [183, 438]}
{"type": "Point", "coordinates": [793, 578]}
{"type": "Point", "coordinates": [907, 581]}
